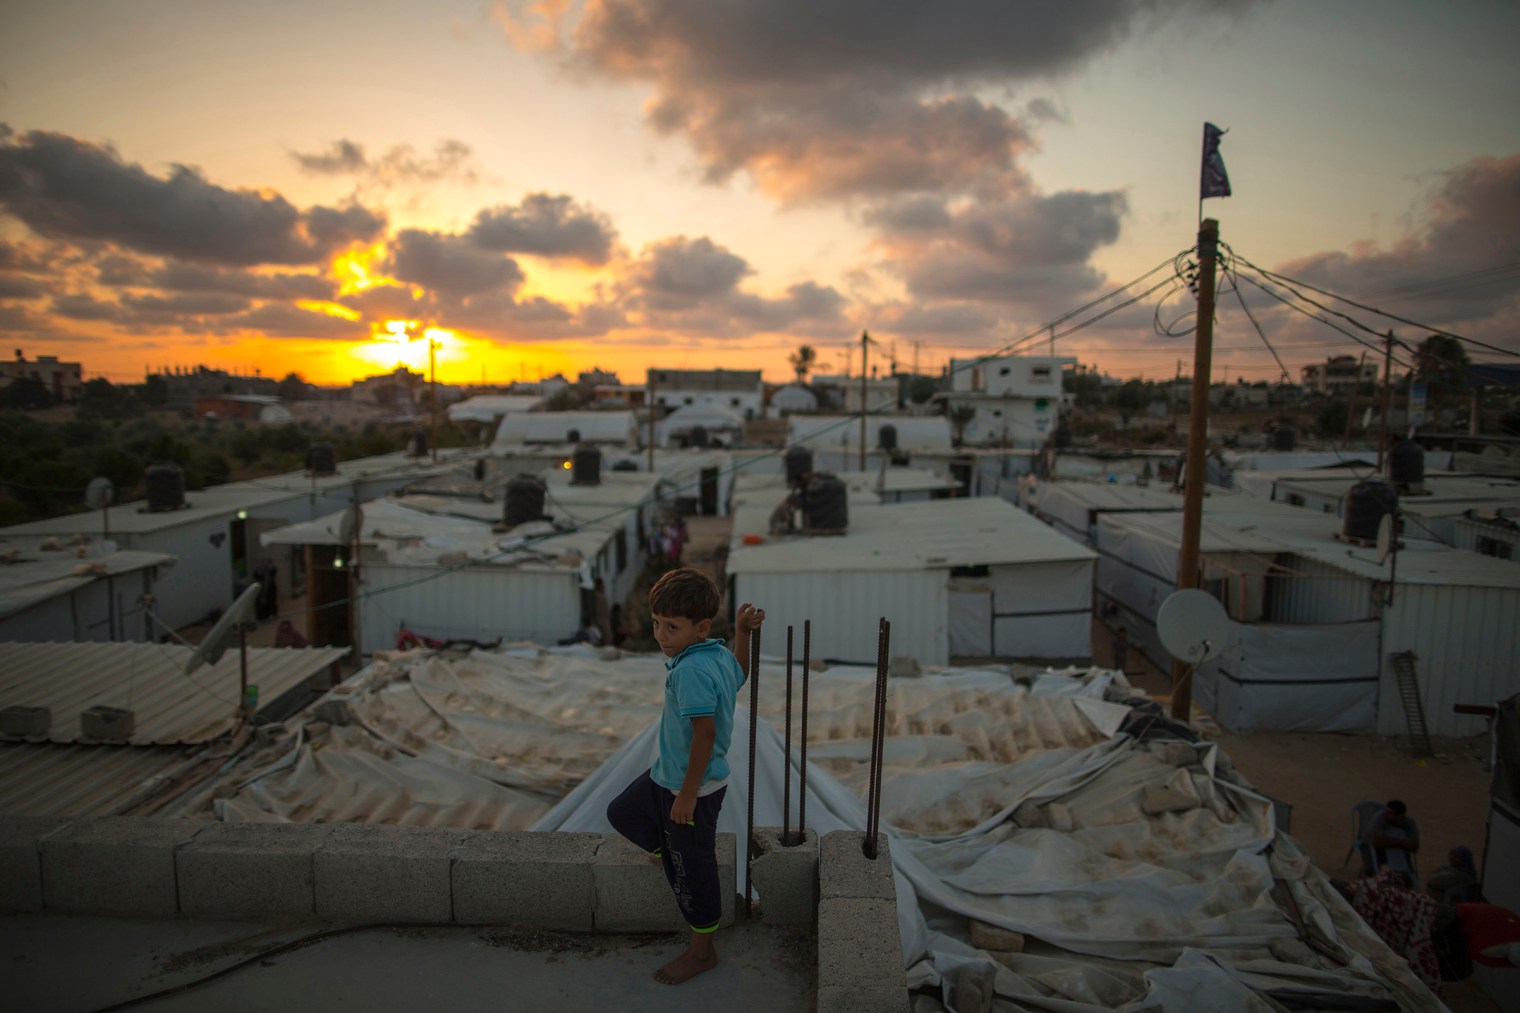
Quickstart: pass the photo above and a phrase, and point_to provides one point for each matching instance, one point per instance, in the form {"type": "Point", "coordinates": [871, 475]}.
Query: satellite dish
{"type": "Point", "coordinates": [1193, 626]}
{"type": "Point", "coordinates": [1385, 538]}
{"type": "Point", "coordinates": [210, 650]}
{"type": "Point", "coordinates": [99, 494]}
{"type": "Point", "coordinates": [349, 523]}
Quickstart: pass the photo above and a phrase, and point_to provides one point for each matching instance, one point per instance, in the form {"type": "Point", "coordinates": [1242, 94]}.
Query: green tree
{"type": "Point", "coordinates": [1441, 362]}
{"type": "Point", "coordinates": [293, 387]}
{"type": "Point", "coordinates": [25, 394]}
{"type": "Point", "coordinates": [803, 360]}
{"type": "Point", "coordinates": [960, 418]}
{"type": "Point", "coordinates": [922, 388]}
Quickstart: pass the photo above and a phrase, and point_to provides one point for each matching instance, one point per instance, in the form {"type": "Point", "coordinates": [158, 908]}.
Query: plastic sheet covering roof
{"type": "Point", "coordinates": [980, 530]}
{"type": "Point", "coordinates": [1247, 524]}
{"type": "Point", "coordinates": [169, 707]}
{"type": "Point", "coordinates": [44, 779]}
{"type": "Point", "coordinates": [490, 407]}
{"type": "Point", "coordinates": [33, 575]}
{"type": "Point", "coordinates": [555, 427]}
{"type": "Point", "coordinates": [1142, 869]}
{"type": "Point", "coordinates": [428, 530]}
{"type": "Point", "coordinates": [830, 432]}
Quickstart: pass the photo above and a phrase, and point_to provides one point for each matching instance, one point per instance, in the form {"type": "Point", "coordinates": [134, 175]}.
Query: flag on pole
{"type": "Point", "coordinates": [1215, 182]}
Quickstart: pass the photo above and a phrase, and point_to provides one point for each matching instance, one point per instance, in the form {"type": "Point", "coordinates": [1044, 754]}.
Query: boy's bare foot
{"type": "Point", "coordinates": [688, 965]}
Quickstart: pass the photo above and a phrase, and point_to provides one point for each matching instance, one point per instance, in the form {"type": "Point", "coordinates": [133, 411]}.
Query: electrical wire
{"type": "Point", "coordinates": [1287, 281]}
{"type": "Point", "coordinates": [1235, 287]}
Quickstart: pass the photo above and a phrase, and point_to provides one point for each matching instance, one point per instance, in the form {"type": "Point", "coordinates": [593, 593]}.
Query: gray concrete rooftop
{"type": "Point", "coordinates": [67, 963]}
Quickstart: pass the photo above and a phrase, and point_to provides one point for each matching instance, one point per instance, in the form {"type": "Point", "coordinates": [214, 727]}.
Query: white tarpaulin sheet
{"type": "Point", "coordinates": [1141, 870]}
{"type": "Point", "coordinates": [1294, 678]}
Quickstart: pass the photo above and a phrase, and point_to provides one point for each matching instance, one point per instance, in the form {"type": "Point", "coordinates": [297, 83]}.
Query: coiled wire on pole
{"type": "Point", "coordinates": [878, 736]}
{"type": "Point", "coordinates": [749, 822]}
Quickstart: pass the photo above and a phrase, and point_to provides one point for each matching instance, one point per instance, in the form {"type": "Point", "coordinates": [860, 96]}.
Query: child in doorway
{"type": "Point", "coordinates": [671, 810]}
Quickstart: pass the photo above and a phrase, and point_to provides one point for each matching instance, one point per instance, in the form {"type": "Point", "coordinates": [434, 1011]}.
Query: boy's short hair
{"type": "Point", "coordinates": [685, 592]}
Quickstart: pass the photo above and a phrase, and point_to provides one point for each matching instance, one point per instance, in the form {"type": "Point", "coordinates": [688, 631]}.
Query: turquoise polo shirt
{"type": "Point", "coordinates": [701, 681]}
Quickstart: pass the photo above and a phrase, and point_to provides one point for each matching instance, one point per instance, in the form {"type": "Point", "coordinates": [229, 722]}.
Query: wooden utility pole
{"type": "Point", "coordinates": [865, 350]}
{"type": "Point", "coordinates": [649, 409]}
{"type": "Point", "coordinates": [1387, 398]}
{"type": "Point", "coordinates": [1197, 447]}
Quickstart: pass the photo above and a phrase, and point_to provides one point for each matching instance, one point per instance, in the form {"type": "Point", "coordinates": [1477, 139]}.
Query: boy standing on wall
{"type": "Point", "coordinates": [671, 810]}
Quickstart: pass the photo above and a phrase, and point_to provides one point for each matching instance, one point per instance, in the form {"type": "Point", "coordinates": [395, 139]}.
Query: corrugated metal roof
{"type": "Point", "coordinates": [38, 575]}
{"type": "Point", "coordinates": [149, 679]}
{"type": "Point", "coordinates": [981, 530]}
{"type": "Point", "coordinates": [45, 779]}
{"type": "Point", "coordinates": [556, 427]}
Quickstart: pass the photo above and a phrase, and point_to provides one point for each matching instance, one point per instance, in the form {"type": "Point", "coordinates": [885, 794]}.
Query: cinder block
{"type": "Point", "coordinates": [541, 880]}
{"type": "Point", "coordinates": [861, 999]}
{"type": "Point", "coordinates": [369, 873]}
{"type": "Point", "coordinates": [109, 724]}
{"type": "Point", "coordinates": [632, 894]}
{"type": "Point", "coordinates": [25, 722]}
{"type": "Point", "coordinates": [845, 871]}
{"type": "Point", "coordinates": [858, 944]}
{"type": "Point", "coordinates": [21, 860]}
{"type": "Point", "coordinates": [251, 870]}
{"type": "Point", "coordinates": [115, 865]}
{"type": "Point", "coordinates": [786, 877]}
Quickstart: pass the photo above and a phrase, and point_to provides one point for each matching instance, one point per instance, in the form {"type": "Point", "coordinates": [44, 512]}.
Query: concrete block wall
{"type": "Point", "coordinates": [355, 873]}
{"type": "Point", "coordinates": [860, 965]}
{"type": "Point", "coordinates": [786, 877]}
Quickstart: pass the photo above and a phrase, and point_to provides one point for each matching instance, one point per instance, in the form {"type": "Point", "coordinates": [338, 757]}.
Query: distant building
{"type": "Point", "coordinates": [64, 380]}
{"type": "Point", "coordinates": [185, 385]}
{"type": "Point", "coordinates": [1341, 374]}
{"type": "Point", "coordinates": [1014, 400]}
{"type": "Point", "coordinates": [736, 390]}
{"type": "Point", "coordinates": [251, 407]}
{"type": "Point", "coordinates": [595, 377]}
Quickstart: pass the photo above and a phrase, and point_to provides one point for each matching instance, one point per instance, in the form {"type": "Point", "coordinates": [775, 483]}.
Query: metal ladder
{"type": "Point", "coordinates": [1414, 707]}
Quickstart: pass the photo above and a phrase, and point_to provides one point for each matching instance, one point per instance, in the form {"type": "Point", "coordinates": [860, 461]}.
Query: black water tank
{"type": "Point", "coordinates": [886, 436]}
{"type": "Point", "coordinates": [799, 462]}
{"type": "Point", "coordinates": [321, 459]}
{"type": "Point", "coordinates": [625, 465]}
{"type": "Point", "coordinates": [417, 443]}
{"type": "Point", "coordinates": [1283, 438]}
{"type": "Point", "coordinates": [523, 500]}
{"type": "Point", "coordinates": [1406, 463]}
{"type": "Point", "coordinates": [166, 486]}
{"type": "Point", "coordinates": [573, 436]}
{"type": "Point", "coordinates": [586, 463]}
{"type": "Point", "coordinates": [1366, 504]}
{"type": "Point", "coordinates": [825, 504]}
{"type": "Point", "coordinates": [699, 436]}
{"type": "Point", "coordinates": [1061, 438]}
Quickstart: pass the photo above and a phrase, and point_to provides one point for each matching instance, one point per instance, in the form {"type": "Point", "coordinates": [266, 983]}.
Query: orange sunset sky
{"type": "Point", "coordinates": [554, 186]}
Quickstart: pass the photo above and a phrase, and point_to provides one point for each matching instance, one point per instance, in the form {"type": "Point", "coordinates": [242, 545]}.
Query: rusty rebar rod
{"type": "Point", "coordinates": [786, 756]}
{"type": "Point", "coordinates": [807, 651]}
{"type": "Point", "coordinates": [749, 822]}
{"type": "Point", "coordinates": [878, 734]}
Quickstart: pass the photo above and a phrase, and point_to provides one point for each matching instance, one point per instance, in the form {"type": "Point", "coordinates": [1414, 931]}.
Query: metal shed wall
{"type": "Point", "coordinates": [85, 613]}
{"type": "Point", "coordinates": [1467, 531]}
{"type": "Point", "coordinates": [1467, 641]}
{"type": "Point", "coordinates": [845, 608]}
{"type": "Point", "coordinates": [1317, 593]}
{"type": "Point", "coordinates": [479, 603]}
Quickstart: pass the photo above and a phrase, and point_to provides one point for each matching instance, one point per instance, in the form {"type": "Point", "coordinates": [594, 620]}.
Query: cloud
{"type": "Point", "coordinates": [186, 304]}
{"type": "Point", "coordinates": [65, 188]}
{"type": "Point", "coordinates": [451, 162]}
{"type": "Point", "coordinates": [16, 286]}
{"type": "Point", "coordinates": [1032, 250]}
{"type": "Point", "coordinates": [450, 265]}
{"type": "Point", "coordinates": [1458, 268]}
{"type": "Point", "coordinates": [78, 306]}
{"type": "Point", "coordinates": [547, 226]}
{"type": "Point", "coordinates": [177, 276]}
{"type": "Point", "coordinates": [693, 285]}
{"type": "Point", "coordinates": [280, 320]}
{"type": "Point", "coordinates": [801, 94]}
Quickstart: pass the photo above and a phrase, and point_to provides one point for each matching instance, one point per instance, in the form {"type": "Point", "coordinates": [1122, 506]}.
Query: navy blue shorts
{"type": "Point", "coordinates": [689, 854]}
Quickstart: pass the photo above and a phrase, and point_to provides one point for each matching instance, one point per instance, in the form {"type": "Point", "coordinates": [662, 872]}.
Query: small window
{"type": "Point", "coordinates": [981, 570]}
{"type": "Point", "coordinates": [1040, 374]}
{"type": "Point", "coordinates": [1005, 371]}
{"type": "Point", "coordinates": [1494, 547]}
{"type": "Point", "coordinates": [734, 401]}
{"type": "Point", "coordinates": [622, 550]}
{"type": "Point", "coordinates": [1294, 499]}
